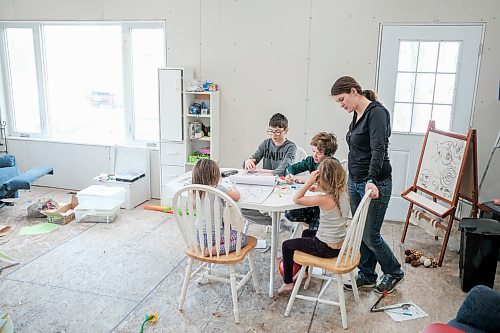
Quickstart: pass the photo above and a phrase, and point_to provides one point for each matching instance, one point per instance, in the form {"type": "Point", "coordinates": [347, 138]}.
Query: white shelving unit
{"type": "Point", "coordinates": [176, 143]}
{"type": "Point", "coordinates": [212, 101]}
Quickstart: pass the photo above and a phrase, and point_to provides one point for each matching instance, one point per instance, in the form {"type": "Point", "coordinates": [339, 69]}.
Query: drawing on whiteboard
{"type": "Point", "coordinates": [254, 193]}
{"type": "Point", "coordinates": [441, 165]}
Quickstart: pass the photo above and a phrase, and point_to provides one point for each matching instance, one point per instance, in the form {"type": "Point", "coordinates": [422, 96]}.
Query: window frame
{"type": "Point", "coordinates": [37, 27]}
{"type": "Point", "coordinates": [433, 103]}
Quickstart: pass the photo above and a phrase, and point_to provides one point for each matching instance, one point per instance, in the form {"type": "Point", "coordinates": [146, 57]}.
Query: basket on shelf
{"type": "Point", "coordinates": [195, 156]}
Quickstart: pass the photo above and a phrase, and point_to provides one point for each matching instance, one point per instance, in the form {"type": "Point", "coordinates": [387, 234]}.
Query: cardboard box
{"type": "Point", "coordinates": [64, 214]}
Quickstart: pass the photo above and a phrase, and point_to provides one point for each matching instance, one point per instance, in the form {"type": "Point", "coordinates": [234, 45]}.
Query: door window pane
{"type": "Point", "coordinates": [407, 60]}
{"type": "Point", "coordinates": [427, 56]}
{"type": "Point", "coordinates": [448, 57]}
{"type": "Point", "coordinates": [421, 117]}
{"type": "Point", "coordinates": [25, 98]}
{"type": "Point", "coordinates": [424, 88]}
{"type": "Point", "coordinates": [85, 82]}
{"type": "Point", "coordinates": [445, 88]}
{"type": "Point", "coordinates": [148, 54]}
{"type": "Point", "coordinates": [405, 84]}
{"type": "Point", "coordinates": [431, 83]}
{"type": "Point", "coordinates": [402, 117]}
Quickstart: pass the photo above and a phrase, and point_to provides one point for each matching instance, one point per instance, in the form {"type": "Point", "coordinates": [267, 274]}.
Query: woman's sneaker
{"type": "Point", "coordinates": [361, 282]}
{"type": "Point", "coordinates": [389, 282]}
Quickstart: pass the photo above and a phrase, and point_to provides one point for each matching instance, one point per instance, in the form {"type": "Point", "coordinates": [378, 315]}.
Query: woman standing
{"type": "Point", "coordinates": [369, 168]}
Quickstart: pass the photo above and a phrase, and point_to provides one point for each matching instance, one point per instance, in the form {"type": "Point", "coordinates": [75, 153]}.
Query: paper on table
{"type": "Point", "coordinates": [41, 228]}
{"type": "Point", "coordinates": [253, 179]}
{"type": "Point", "coordinates": [254, 193]}
{"type": "Point", "coordinates": [413, 312]}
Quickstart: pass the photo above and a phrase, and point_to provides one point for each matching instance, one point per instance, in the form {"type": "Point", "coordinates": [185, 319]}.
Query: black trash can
{"type": "Point", "coordinates": [490, 211]}
{"type": "Point", "coordinates": [479, 252]}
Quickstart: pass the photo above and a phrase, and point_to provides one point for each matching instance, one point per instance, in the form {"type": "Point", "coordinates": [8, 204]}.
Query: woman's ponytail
{"type": "Point", "coordinates": [370, 94]}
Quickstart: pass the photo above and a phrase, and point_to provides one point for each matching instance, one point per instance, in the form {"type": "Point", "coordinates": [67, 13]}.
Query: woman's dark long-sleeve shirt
{"type": "Point", "coordinates": [368, 140]}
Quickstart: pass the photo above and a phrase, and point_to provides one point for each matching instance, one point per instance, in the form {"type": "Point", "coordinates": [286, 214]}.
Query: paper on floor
{"type": "Point", "coordinates": [413, 312]}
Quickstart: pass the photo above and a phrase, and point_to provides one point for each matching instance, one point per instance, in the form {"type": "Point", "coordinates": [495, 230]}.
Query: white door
{"type": "Point", "coordinates": [425, 72]}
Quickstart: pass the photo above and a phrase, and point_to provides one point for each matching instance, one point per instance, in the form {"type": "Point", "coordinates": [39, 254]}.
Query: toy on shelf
{"type": "Point", "coordinates": [209, 86]}
{"type": "Point", "coordinates": [195, 86]}
{"type": "Point", "coordinates": [195, 109]}
{"type": "Point", "coordinates": [204, 109]}
{"type": "Point", "coordinates": [205, 130]}
{"type": "Point", "coordinates": [205, 151]}
{"type": "Point", "coordinates": [196, 130]}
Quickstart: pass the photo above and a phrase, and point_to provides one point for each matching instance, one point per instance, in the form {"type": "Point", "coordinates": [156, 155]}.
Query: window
{"type": "Point", "coordinates": [425, 85]}
{"type": "Point", "coordinates": [83, 82]}
{"type": "Point", "coordinates": [24, 87]}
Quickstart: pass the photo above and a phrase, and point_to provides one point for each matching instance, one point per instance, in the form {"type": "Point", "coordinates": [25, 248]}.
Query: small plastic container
{"type": "Point", "coordinates": [106, 213]}
{"type": "Point", "coordinates": [101, 197]}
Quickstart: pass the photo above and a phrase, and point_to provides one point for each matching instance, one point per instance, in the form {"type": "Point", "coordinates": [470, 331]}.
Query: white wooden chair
{"type": "Point", "coordinates": [346, 262]}
{"type": "Point", "coordinates": [197, 208]}
{"type": "Point", "coordinates": [300, 154]}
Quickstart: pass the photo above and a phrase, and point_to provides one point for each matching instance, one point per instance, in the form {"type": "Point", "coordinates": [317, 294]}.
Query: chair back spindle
{"type": "Point", "coordinates": [201, 212]}
{"type": "Point", "coordinates": [349, 251]}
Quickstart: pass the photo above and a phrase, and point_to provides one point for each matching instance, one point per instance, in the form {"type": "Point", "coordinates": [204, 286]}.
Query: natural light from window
{"type": "Point", "coordinates": [148, 54]}
{"type": "Point", "coordinates": [25, 100]}
{"type": "Point", "coordinates": [85, 83]}
{"type": "Point", "coordinates": [425, 85]}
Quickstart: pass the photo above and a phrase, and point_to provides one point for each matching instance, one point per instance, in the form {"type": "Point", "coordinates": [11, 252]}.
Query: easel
{"type": "Point", "coordinates": [456, 158]}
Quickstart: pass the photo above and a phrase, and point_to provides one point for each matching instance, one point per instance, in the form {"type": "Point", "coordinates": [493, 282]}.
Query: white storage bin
{"type": "Point", "coordinates": [101, 197]}
{"type": "Point", "coordinates": [106, 213]}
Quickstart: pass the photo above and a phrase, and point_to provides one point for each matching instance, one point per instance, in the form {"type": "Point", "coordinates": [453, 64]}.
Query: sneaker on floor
{"type": "Point", "coordinates": [389, 282]}
{"type": "Point", "coordinates": [361, 282]}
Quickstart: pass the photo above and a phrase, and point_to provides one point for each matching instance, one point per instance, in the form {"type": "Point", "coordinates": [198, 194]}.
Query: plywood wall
{"type": "Point", "coordinates": [283, 56]}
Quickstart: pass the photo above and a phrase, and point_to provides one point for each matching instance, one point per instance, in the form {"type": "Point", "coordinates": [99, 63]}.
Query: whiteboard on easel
{"type": "Point", "coordinates": [441, 164]}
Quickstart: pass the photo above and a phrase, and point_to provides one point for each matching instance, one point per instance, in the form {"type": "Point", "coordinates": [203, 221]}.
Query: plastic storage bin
{"type": "Point", "coordinates": [105, 213]}
{"type": "Point", "coordinates": [479, 252]}
{"type": "Point", "coordinates": [97, 196]}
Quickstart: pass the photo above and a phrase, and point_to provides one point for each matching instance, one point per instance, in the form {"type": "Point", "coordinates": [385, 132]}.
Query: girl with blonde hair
{"type": "Point", "coordinates": [334, 209]}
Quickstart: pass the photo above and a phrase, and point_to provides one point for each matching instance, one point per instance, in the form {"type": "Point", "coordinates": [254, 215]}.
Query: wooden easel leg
{"type": "Point", "coordinates": [446, 237]}
{"type": "Point", "coordinates": [403, 236]}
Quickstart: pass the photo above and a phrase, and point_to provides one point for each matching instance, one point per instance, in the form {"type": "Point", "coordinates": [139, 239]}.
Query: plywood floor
{"type": "Point", "coordinates": [90, 277]}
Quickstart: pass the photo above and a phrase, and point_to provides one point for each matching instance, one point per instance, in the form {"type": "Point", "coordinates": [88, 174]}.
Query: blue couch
{"type": "Point", "coordinates": [480, 311]}
{"type": "Point", "coordinates": [11, 180]}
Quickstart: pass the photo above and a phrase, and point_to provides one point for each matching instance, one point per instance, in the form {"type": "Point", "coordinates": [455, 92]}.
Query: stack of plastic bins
{"type": "Point", "coordinates": [99, 203]}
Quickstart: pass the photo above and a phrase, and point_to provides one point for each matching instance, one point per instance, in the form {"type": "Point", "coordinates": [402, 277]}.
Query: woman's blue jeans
{"type": "Point", "coordinates": [373, 247]}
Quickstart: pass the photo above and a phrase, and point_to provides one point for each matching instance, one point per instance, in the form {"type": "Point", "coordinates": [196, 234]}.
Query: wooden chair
{"type": "Point", "coordinates": [199, 208]}
{"type": "Point", "coordinates": [346, 262]}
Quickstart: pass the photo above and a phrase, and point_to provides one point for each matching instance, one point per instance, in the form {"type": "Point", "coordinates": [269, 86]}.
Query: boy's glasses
{"type": "Point", "coordinates": [275, 132]}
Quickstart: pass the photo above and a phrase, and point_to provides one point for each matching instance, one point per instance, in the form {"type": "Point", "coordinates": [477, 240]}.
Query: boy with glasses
{"type": "Point", "coordinates": [276, 152]}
